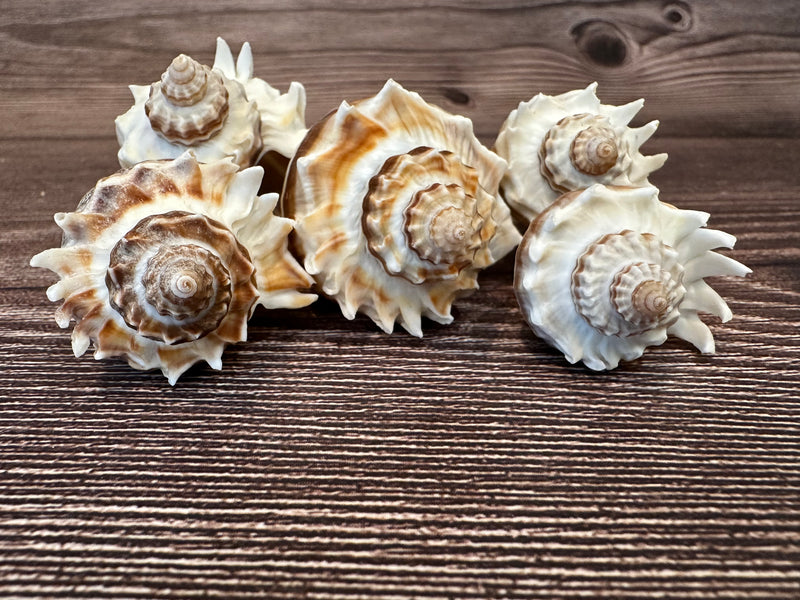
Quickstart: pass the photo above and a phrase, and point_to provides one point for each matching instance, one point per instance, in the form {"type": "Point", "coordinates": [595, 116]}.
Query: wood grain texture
{"type": "Point", "coordinates": [329, 460]}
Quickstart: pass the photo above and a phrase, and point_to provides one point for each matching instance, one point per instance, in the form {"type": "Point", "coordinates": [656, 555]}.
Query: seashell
{"type": "Point", "coordinates": [603, 273]}
{"type": "Point", "coordinates": [396, 208]}
{"type": "Point", "coordinates": [283, 124]}
{"type": "Point", "coordinates": [163, 263]}
{"type": "Point", "coordinates": [557, 144]}
{"type": "Point", "coordinates": [218, 112]}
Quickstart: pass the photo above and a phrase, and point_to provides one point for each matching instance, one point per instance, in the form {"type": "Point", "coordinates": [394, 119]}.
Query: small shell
{"type": "Point", "coordinates": [190, 103]}
{"type": "Point", "coordinates": [165, 262]}
{"type": "Point", "coordinates": [557, 144]}
{"type": "Point", "coordinates": [605, 272]}
{"type": "Point", "coordinates": [397, 209]}
{"type": "Point", "coordinates": [218, 112]}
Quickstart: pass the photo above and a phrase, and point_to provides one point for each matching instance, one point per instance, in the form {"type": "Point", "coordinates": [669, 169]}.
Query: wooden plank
{"type": "Point", "coordinates": [330, 460]}
{"type": "Point", "coordinates": [706, 75]}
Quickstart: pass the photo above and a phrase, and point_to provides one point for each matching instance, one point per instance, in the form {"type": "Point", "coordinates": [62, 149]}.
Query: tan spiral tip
{"type": "Point", "coordinates": [189, 104]}
{"type": "Point", "coordinates": [594, 150]}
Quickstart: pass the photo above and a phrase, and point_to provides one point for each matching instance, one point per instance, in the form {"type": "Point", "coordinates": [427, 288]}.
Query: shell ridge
{"type": "Point", "coordinates": [616, 311]}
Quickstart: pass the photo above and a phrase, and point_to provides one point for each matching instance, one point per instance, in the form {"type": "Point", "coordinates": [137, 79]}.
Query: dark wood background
{"type": "Point", "coordinates": [329, 460]}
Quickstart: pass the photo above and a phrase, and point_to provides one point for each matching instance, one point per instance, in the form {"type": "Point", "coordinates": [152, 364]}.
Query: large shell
{"type": "Point", "coordinates": [397, 209]}
{"type": "Point", "coordinates": [217, 112]}
{"type": "Point", "coordinates": [605, 272]}
{"type": "Point", "coordinates": [164, 263]}
{"type": "Point", "coordinates": [557, 144]}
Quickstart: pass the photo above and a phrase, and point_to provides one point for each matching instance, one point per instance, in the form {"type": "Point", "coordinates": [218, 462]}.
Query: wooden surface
{"type": "Point", "coordinates": [329, 460]}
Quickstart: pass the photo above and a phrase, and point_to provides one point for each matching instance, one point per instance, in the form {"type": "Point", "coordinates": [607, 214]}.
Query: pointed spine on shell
{"type": "Point", "coordinates": [558, 144]}
{"type": "Point", "coordinates": [163, 263]}
{"type": "Point", "coordinates": [605, 272]}
{"type": "Point", "coordinates": [397, 209]}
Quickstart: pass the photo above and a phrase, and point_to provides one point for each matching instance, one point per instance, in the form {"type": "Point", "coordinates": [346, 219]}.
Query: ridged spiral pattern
{"type": "Point", "coordinates": [168, 284]}
{"type": "Point", "coordinates": [594, 150]}
{"type": "Point", "coordinates": [627, 283]}
{"type": "Point", "coordinates": [582, 145]}
{"type": "Point", "coordinates": [189, 104]}
{"type": "Point", "coordinates": [424, 215]}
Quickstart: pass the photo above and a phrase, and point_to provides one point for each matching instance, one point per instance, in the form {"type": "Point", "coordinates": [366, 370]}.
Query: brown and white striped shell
{"type": "Point", "coordinates": [164, 263]}
{"type": "Point", "coordinates": [218, 112]}
{"type": "Point", "coordinates": [397, 209]}
{"type": "Point", "coordinates": [603, 273]}
{"type": "Point", "coordinates": [557, 144]}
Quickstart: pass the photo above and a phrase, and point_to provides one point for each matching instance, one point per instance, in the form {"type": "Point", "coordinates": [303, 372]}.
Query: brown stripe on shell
{"type": "Point", "coordinates": [165, 242]}
{"type": "Point", "coordinates": [189, 104]}
{"type": "Point", "coordinates": [594, 150]}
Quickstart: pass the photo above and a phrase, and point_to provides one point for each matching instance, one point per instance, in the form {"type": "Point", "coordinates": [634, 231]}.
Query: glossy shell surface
{"type": "Point", "coordinates": [557, 144]}
{"type": "Point", "coordinates": [164, 263]}
{"type": "Point", "coordinates": [397, 209]}
{"type": "Point", "coordinates": [605, 272]}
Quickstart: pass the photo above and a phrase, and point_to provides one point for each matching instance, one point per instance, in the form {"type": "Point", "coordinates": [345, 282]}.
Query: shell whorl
{"type": "Point", "coordinates": [557, 144]}
{"type": "Point", "coordinates": [423, 215]}
{"type": "Point", "coordinates": [169, 285]}
{"type": "Point", "coordinates": [594, 150]}
{"type": "Point", "coordinates": [605, 272]}
{"type": "Point", "coordinates": [581, 149]}
{"type": "Point", "coordinates": [189, 104]}
{"type": "Point", "coordinates": [627, 283]}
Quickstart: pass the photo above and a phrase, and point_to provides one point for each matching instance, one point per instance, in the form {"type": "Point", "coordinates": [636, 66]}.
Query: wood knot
{"type": "Point", "coordinates": [677, 16]}
{"type": "Point", "coordinates": [456, 96]}
{"type": "Point", "coordinates": [603, 43]}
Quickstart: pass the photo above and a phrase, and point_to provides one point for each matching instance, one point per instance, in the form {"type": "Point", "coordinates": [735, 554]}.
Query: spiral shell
{"type": "Point", "coordinates": [163, 263]}
{"type": "Point", "coordinates": [189, 104]}
{"type": "Point", "coordinates": [603, 273]}
{"type": "Point", "coordinates": [218, 112]}
{"type": "Point", "coordinates": [397, 209]}
{"type": "Point", "coordinates": [557, 144]}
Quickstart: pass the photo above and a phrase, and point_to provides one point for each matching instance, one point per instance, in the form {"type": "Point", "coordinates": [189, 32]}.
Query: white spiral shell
{"type": "Point", "coordinates": [218, 112]}
{"type": "Point", "coordinates": [557, 144]}
{"type": "Point", "coordinates": [603, 273]}
{"type": "Point", "coordinates": [397, 209]}
{"type": "Point", "coordinates": [163, 263]}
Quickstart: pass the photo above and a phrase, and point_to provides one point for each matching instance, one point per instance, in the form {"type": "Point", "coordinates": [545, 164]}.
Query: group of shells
{"type": "Point", "coordinates": [393, 207]}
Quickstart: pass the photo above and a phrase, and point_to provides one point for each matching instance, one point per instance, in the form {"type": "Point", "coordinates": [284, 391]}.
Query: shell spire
{"type": "Point", "coordinates": [603, 273]}
{"type": "Point", "coordinates": [397, 208]}
{"type": "Point", "coordinates": [189, 104]}
{"type": "Point", "coordinates": [164, 263]}
{"type": "Point", "coordinates": [217, 112]}
{"type": "Point", "coordinates": [557, 144]}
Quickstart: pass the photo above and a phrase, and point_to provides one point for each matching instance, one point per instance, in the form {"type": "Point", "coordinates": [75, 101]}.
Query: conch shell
{"type": "Point", "coordinates": [603, 273]}
{"type": "Point", "coordinates": [164, 263]}
{"type": "Point", "coordinates": [557, 144]}
{"type": "Point", "coordinates": [396, 208]}
{"type": "Point", "coordinates": [217, 112]}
